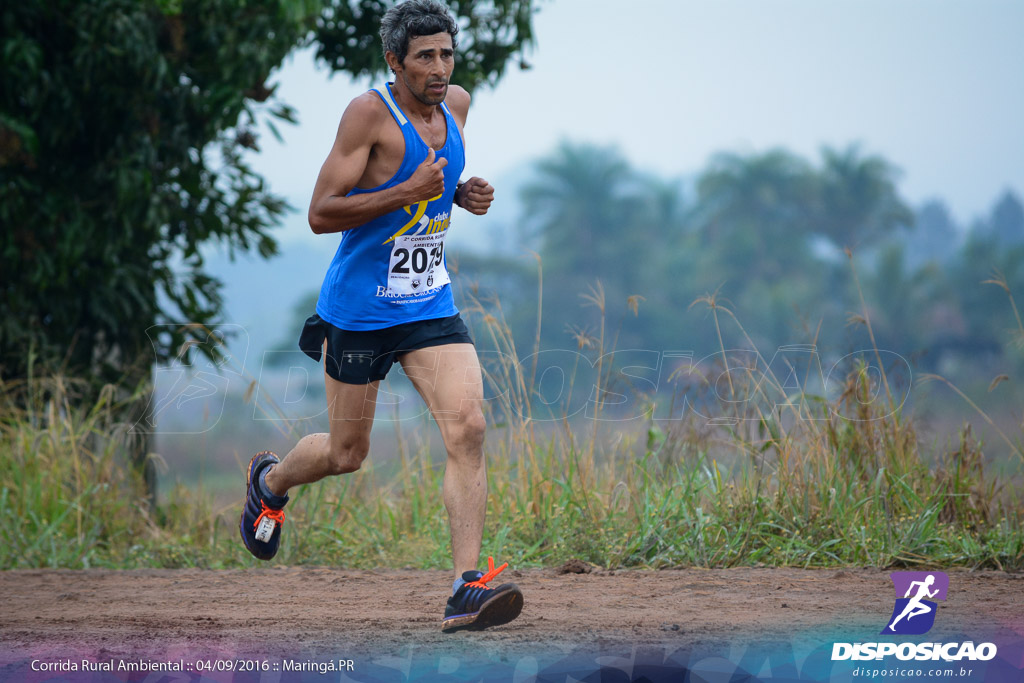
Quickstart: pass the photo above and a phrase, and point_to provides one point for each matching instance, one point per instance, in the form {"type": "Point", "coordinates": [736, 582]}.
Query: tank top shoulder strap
{"type": "Point", "coordinates": [454, 143]}
{"type": "Point", "coordinates": [385, 94]}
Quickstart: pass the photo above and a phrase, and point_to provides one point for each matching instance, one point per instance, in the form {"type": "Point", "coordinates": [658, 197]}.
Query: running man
{"type": "Point", "coordinates": [915, 607]}
{"type": "Point", "coordinates": [389, 185]}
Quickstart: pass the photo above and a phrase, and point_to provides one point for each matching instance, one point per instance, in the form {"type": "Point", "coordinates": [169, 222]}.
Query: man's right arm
{"type": "Point", "coordinates": [330, 209]}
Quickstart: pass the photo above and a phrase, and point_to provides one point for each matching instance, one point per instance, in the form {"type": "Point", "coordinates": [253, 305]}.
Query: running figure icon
{"type": "Point", "coordinates": [915, 607]}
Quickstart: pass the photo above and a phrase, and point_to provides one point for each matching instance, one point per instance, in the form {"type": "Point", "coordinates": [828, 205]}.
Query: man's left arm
{"type": "Point", "coordinates": [476, 194]}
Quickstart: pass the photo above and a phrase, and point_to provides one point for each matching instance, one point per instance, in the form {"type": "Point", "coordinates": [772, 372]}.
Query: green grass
{"type": "Point", "coordinates": [823, 482]}
{"type": "Point", "coordinates": [660, 503]}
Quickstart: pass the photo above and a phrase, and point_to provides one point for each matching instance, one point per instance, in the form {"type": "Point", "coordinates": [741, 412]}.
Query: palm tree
{"type": "Point", "coordinates": [859, 204]}
{"type": "Point", "coordinates": [585, 208]}
{"type": "Point", "coordinates": [754, 211]}
{"type": "Point", "coordinates": [579, 206]}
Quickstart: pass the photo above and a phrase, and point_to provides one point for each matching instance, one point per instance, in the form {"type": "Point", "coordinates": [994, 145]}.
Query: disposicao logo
{"type": "Point", "coordinates": [913, 614]}
{"type": "Point", "coordinates": [915, 608]}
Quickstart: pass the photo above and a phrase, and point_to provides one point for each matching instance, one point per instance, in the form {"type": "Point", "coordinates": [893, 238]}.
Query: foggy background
{"type": "Point", "coordinates": [607, 158]}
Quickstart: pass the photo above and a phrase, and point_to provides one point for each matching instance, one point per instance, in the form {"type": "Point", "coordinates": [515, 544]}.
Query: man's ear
{"type": "Point", "coordinates": [392, 59]}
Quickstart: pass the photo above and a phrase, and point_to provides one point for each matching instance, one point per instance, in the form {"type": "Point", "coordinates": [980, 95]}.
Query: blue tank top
{"type": "Point", "coordinates": [393, 269]}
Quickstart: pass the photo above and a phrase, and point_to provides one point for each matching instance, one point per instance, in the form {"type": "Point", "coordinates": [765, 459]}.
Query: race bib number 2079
{"type": "Point", "coordinates": [417, 264]}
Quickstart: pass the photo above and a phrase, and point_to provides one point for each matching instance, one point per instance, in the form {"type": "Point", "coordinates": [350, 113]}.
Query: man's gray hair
{"type": "Point", "coordinates": [413, 19]}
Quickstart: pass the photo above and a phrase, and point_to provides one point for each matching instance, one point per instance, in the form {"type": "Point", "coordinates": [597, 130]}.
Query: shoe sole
{"type": "Point", "coordinates": [241, 518]}
{"type": "Point", "coordinates": [500, 609]}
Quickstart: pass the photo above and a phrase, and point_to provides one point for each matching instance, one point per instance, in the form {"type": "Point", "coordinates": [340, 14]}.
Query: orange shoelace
{"type": "Point", "coordinates": [270, 513]}
{"type": "Point", "coordinates": [491, 573]}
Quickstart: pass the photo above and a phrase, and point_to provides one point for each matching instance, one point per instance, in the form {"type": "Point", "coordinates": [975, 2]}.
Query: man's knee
{"type": "Point", "coordinates": [346, 455]}
{"type": "Point", "coordinates": [467, 433]}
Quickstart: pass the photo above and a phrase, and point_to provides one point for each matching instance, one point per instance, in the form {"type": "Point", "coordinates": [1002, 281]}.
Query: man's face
{"type": "Point", "coordinates": [427, 67]}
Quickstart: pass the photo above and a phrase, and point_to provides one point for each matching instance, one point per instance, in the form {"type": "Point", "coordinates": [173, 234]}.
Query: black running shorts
{"type": "Point", "coordinates": [361, 357]}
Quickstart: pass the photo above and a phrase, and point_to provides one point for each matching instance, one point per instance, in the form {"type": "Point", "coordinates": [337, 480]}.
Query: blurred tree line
{"type": "Point", "coordinates": [767, 235]}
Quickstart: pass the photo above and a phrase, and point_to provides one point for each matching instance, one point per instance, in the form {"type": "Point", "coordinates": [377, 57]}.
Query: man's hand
{"type": "Point", "coordinates": [427, 181]}
{"type": "Point", "coordinates": [475, 196]}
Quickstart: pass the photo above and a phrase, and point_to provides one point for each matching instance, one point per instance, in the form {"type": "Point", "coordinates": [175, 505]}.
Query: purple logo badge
{"type": "Point", "coordinates": [916, 592]}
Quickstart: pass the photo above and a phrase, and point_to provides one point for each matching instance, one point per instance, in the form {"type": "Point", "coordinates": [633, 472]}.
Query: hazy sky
{"type": "Point", "coordinates": [935, 86]}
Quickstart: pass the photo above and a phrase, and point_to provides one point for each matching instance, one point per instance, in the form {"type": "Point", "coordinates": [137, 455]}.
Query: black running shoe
{"type": "Point", "coordinates": [262, 515]}
{"type": "Point", "coordinates": [475, 606]}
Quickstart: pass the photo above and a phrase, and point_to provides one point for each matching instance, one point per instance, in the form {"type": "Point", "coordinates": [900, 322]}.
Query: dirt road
{"type": "Point", "coordinates": [391, 619]}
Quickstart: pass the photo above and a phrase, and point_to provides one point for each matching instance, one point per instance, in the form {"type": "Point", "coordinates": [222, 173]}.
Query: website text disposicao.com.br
{"type": "Point", "coordinates": [908, 672]}
{"type": "Point", "coordinates": [909, 654]}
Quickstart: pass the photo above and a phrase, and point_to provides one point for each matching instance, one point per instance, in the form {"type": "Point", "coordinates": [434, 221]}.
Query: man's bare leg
{"type": "Point", "coordinates": [350, 408]}
{"type": "Point", "coordinates": [449, 380]}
